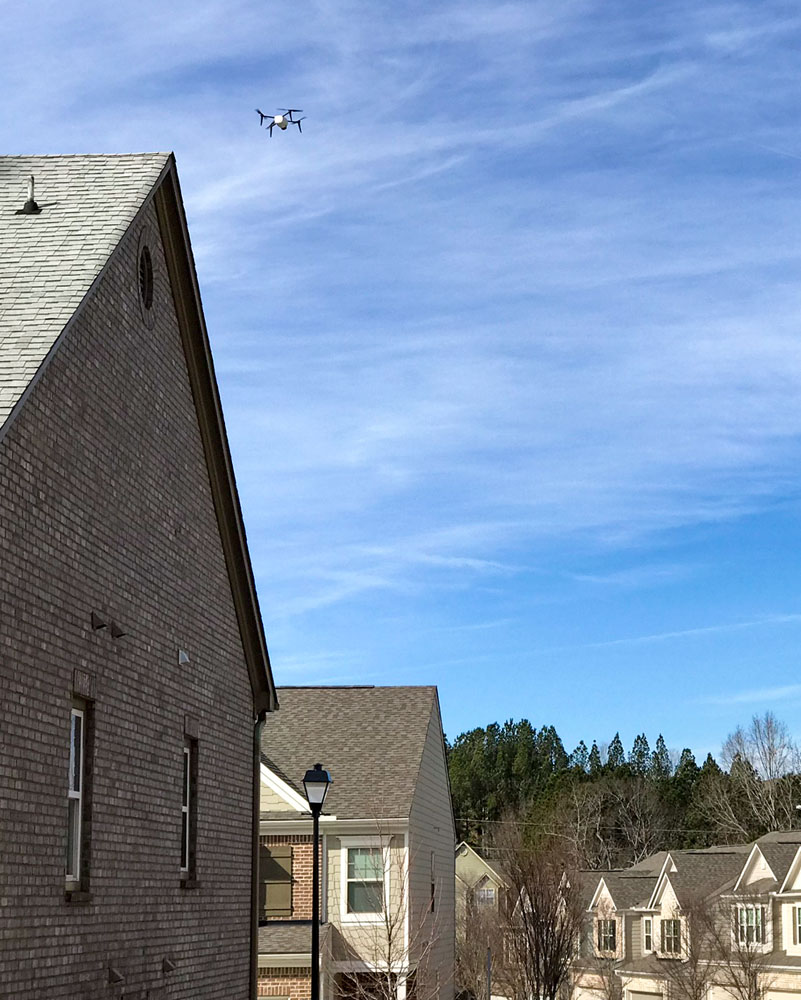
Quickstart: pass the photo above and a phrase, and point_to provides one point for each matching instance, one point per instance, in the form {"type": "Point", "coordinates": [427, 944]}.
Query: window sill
{"type": "Point", "coordinates": [362, 918]}
{"type": "Point", "coordinates": [77, 896]}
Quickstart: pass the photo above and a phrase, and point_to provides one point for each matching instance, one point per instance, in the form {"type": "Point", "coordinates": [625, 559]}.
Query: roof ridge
{"type": "Point", "coordinates": [81, 156]}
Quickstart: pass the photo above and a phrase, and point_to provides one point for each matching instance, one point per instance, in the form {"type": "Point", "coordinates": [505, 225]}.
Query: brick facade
{"type": "Point", "coordinates": [302, 857]}
{"type": "Point", "coordinates": [105, 505]}
{"type": "Point", "coordinates": [293, 984]}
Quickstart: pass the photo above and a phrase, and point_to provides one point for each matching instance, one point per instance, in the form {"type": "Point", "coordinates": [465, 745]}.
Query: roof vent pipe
{"type": "Point", "coordinates": [30, 207]}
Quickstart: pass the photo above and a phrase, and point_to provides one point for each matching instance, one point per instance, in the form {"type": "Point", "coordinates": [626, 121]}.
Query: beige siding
{"type": "Point", "coordinates": [633, 936]}
{"type": "Point", "coordinates": [432, 833]}
{"type": "Point", "coordinates": [382, 940]}
{"type": "Point", "coordinates": [271, 801]}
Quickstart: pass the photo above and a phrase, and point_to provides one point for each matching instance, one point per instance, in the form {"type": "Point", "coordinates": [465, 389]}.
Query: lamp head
{"type": "Point", "coordinates": [316, 782]}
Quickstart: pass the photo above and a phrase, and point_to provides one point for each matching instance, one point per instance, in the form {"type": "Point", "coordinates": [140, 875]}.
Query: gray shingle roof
{"type": "Point", "coordinates": [289, 937]}
{"type": "Point", "coordinates": [779, 856]}
{"type": "Point", "coordinates": [369, 738]}
{"type": "Point", "coordinates": [49, 261]}
{"type": "Point", "coordinates": [629, 890]}
{"type": "Point", "coordinates": [702, 872]}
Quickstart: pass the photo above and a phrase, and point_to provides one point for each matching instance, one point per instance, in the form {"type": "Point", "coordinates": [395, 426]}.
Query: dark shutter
{"type": "Point", "coordinates": [275, 876]}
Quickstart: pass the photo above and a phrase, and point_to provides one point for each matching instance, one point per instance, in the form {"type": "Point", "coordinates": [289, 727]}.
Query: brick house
{"type": "Point", "coordinates": [387, 846]}
{"type": "Point", "coordinates": [132, 657]}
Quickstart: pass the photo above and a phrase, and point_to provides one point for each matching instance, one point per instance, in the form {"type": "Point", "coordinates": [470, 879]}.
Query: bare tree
{"type": "Point", "coordinates": [399, 946]}
{"type": "Point", "coordinates": [612, 822]}
{"type": "Point", "coordinates": [546, 922]}
{"type": "Point", "coordinates": [742, 952]}
{"type": "Point", "coordinates": [761, 761]}
{"type": "Point", "coordinates": [479, 930]}
{"type": "Point", "coordinates": [692, 971]}
{"type": "Point", "coordinates": [598, 971]}
{"type": "Point", "coordinates": [606, 983]}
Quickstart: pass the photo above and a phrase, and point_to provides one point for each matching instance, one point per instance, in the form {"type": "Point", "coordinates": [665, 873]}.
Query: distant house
{"type": "Point", "coordinates": [132, 657]}
{"type": "Point", "coordinates": [387, 835]}
{"type": "Point", "coordinates": [732, 912]}
{"type": "Point", "coordinates": [480, 886]}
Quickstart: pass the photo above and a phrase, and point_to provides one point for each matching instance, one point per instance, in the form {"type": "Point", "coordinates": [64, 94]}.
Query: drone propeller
{"type": "Point", "coordinates": [291, 111]}
{"type": "Point", "coordinates": [262, 116]}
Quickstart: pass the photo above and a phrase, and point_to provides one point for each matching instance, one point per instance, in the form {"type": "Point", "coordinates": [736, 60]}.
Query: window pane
{"type": "Point", "coordinates": [75, 752]}
{"type": "Point", "coordinates": [186, 778]}
{"type": "Point", "coordinates": [365, 863]}
{"type": "Point", "coordinates": [184, 841]}
{"type": "Point", "coordinates": [365, 897]}
{"type": "Point", "coordinates": [73, 837]}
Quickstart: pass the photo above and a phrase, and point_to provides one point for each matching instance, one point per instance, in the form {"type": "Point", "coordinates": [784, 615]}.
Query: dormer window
{"type": "Point", "coordinates": [647, 934]}
{"type": "Point", "coordinates": [607, 935]}
{"type": "Point", "coordinates": [750, 921]}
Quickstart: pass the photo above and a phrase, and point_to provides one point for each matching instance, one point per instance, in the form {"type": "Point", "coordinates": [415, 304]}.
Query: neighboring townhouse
{"type": "Point", "coordinates": [387, 842]}
{"type": "Point", "coordinates": [480, 886]}
{"type": "Point", "coordinates": [725, 916]}
{"type": "Point", "coordinates": [132, 658]}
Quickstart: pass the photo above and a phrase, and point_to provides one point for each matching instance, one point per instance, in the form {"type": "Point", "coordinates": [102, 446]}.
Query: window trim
{"type": "Point", "coordinates": [648, 935]}
{"type": "Point", "coordinates": [188, 852]}
{"type": "Point", "coordinates": [606, 928]}
{"type": "Point", "coordinates": [796, 917]}
{"type": "Point", "coordinates": [347, 844]}
{"type": "Point", "coordinates": [73, 872]}
{"type": "Point", "coordinates": [742, 926]}
{"type": "Point", "coordinates": [674, 935]}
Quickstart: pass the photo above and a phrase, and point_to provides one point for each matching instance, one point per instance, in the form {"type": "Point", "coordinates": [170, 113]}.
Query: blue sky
{"type": "Point", "coordinates": [508, 339]}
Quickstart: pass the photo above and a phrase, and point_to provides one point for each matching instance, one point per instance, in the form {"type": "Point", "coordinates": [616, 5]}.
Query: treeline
{"type": "Point", "coordinates": [614, 807]}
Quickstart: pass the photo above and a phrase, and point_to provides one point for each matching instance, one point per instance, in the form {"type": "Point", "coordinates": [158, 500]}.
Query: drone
{"type": "Point", "coordinates": [282, 119]}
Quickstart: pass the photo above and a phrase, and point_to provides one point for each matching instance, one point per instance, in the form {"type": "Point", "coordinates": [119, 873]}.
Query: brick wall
{"type": "Point", "coordinates": [292, 983]}
{"type": "Point", "coordinates": [302, 857]}
{"type": "Point", "coordinates": [105, 504]}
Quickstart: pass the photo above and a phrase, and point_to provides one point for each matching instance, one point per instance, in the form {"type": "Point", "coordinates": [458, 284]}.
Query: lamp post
{"type": "Point", "coordinates": [316, 784]}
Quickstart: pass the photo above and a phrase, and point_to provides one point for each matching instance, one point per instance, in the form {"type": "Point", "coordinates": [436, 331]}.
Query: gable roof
{"type": "Point", "coordinates": [484, 867]}
{"type": "Point", "coordinates": [370, 739]}
{"type": "Point", "coordinates": [49, 261]}
{"type": "Point", "coordinates": [49, 264]}
{"type": "Point", "coordinates": [698, 873]}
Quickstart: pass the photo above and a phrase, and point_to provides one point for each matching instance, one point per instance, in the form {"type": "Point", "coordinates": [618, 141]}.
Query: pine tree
{"type": "Point", "coordinates": [580, 758]}
{"type": "Point", "coordinates": [616, 755]}
{"type": "Point", "coordinates": [640, 756]}
{"type": "Point", "coordinates": [661, 766]}
{"type": "Point", "coordinates": [594, 761]}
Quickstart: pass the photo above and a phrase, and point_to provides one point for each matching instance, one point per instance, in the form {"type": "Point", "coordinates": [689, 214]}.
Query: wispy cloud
{"type": "Point", "coordinates": [515, 320]}
{"type": "Point", "coordinates": [770, 620]}
{"type": "Point", "coordinates": [774, 695]}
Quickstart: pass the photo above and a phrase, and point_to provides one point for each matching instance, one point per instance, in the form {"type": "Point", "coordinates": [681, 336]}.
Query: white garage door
{"type": "Point", "coordinates": [636, 995]}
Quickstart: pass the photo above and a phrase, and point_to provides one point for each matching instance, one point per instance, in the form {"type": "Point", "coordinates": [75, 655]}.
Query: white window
{"type": "Point", "coordinates": [797, 925]}
{"type": "Point", "coordinates": [751, 924]}
{"type": "Point", "coordinates": [484, 892]}
{"type": "Point", "coordinates": [671, 937]}
{"type": "Point", "coordinates": [186, 810]}
{"type": "Point", "coordinates": [647, 934]}
{"type": "Point", "coordinates": [75, 789]}
{"type": "Point", "coordinates": [365, 880]}
{"type": "Point", "coordinates": [607, 935]}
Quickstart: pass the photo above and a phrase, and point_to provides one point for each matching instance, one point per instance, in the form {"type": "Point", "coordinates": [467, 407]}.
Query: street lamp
{"type": "Point", "coordinates": [316, 784]}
